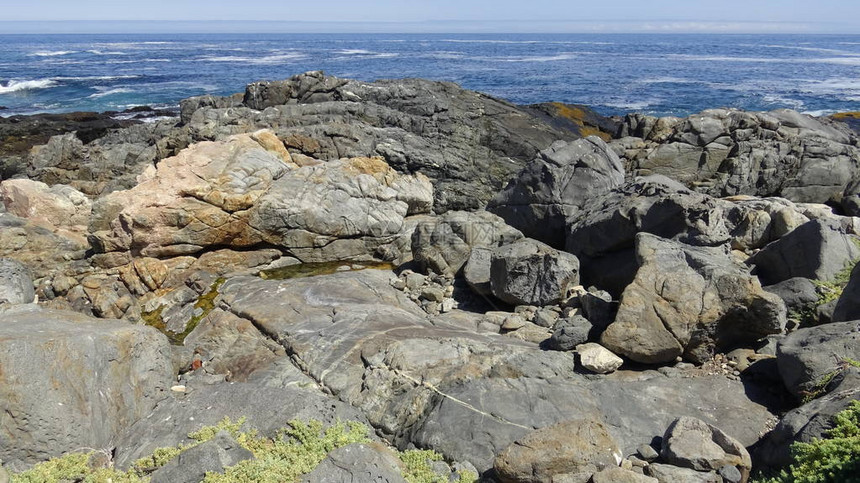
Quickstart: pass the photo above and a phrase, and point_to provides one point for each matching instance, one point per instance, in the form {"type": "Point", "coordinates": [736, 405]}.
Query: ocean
{"type": "Point", "coordinates": [676, 74]}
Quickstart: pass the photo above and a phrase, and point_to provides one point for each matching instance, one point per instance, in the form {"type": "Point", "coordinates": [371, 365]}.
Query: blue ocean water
{"type": "Point", "coordinates": [656, 74]}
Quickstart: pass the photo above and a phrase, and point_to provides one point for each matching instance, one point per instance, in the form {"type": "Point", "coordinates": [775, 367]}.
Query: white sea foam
{"type": "Point", "coordinates": [820, 113]}
{"type": "Point", "coordinates": [26, 85]}
{"type": "Point", "coordinates": [783, 101]}
{"type": "Point", "coordinates": [54, 53]}
{"type": "Point", "coordinates": [668, 80]}
{"type": "Point", "coordinates": [96, 77]}
{"type": "Point", "coordinates": [102, 52]}
{"type": "Point", "coordinates": [535, 58]}
{"type": "Point", "coordinates": [109, 92]}
{"type": "Point", "coordinates": [269, 59]}
{"type": "Point", "coordinates": [354, 52]}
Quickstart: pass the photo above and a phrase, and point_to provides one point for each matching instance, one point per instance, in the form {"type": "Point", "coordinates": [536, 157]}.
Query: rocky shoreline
{"type": "Point", "coordinates": [535, 293]}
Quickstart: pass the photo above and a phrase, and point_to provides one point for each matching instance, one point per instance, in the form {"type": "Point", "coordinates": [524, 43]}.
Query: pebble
{"type": "Point", "coordinates": [647, 452]}
{"type": "Point", "coordinates": [178, 388]}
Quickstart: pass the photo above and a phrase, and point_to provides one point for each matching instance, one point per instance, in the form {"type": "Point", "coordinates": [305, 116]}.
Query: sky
{"type": "Point", "coordinates": [550, 16]}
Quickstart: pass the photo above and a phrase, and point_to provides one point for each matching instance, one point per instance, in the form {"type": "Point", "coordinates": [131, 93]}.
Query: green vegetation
{"type": "Point", "coordinates": [821, 387]}
{"type": "Point", "coordinates": [834, 459]}
{"type": "Point", "coordinates": [827, 292]}
{"type": "Point", "coordinates": [295, 451]}
{"type": "Point", "coordinates": [303, 270]}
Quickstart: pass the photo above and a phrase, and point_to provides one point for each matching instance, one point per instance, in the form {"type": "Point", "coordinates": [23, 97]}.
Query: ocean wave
{"type": "Point", "coordinates": [820, 112]}
{"type": "Point", "coordinates": [96, 77]}
{"type": "Point", "coordinates": [489, 41]}
{"type": "Point", "coordinates": [533, 58]}
{"type": "Point", "coordinates": [667, 80]}
{"type": "Point", "coordinates": [806, 49]}
{"type": "Point", "coordinates": [109, 92]}
{"type": "Point", "coordinates": [54, 53]}
{"type": "Point", "coordinates": [27, 85]}
{"type": "Point", "coordinates": [354, 52]}
{"type": "Point", "coordinates": [101, 52]}
{"type": "Point", "coordinates": [270, 59]}
{"type": "Point", "coordinates": [783, 101]}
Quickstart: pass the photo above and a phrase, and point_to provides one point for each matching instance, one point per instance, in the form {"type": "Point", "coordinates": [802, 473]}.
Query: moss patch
{"type": "Point", "coordinates": [204, 305]}
{"type": "Point", "coordinates": [313, 269]}
{"type": "Point", "coordinates": [846, 115]}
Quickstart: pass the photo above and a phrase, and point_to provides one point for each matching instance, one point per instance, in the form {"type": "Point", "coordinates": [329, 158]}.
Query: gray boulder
{"type": "Point", "coordinates": [70, 381]}
{"type": "Point", "coordinates": [816, 250]}
{"type": "Point", "coordinates": [571, 446]}
{"type": "Point", "coordinates": [695, 444]}
{"type": "Point", "coordinates": [444, 244]}
{"type": "Point", "coordinates": [848, 305]}
{"type": "Point", "coordinates": [689, 301]}
{"type": "Point", "coordinates": [806, 356]}
{"type": "Point", "coordinates": [620, 475]}
{"type": "Point", "coordinates": [16, 283]}
{"type": "Point", "coordinates": [192, 465]}
{"type": "Point", "coordinates": [529, 272]}
{"type": "Point", "coordinates": [569, 333]}
{"type": "Point", "coordinates": [357, 463]}
{"type": "Point", "coordinates": [602, 234]}
{"type": "Point", "coordinates": [553, 187]}
{"type": "Point", "coordinates": [477, 271]}
{"type": "Point", "coordinates": [797, 293]}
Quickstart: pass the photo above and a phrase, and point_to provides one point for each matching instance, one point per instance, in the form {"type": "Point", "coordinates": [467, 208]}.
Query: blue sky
{"type": "Point", "coordinates": [732, 16]}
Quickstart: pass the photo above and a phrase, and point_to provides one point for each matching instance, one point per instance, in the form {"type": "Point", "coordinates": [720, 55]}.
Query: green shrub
{"type": "Point", "coordinates": [834, 459]}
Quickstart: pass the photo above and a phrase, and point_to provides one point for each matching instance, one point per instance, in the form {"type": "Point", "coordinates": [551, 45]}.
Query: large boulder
{"type": "Point", "coordinates": [575, 446]}
{"type": "Point", "coordinates": [806, 356]}
{"type": "Point", "coordinates": [70, 381]}
{"type": "Point", "coordinates": [798, 293]}
{"type": "Point", "coordinates": [818, 250]}
{"type": "Point", "coordinates": [848, 306]}
{"type": "Point", "coordinates": [553, 187]}
{"type": "Point", "coordinates": [529, 272]}
{"type": "Point", "coordinates": [695, 444]}
{"type": "Point", "coordinates": [689, 301]}
{"type": "Point", "coordinates": [44, 251]}
{"type": "Point", "coordinates": [444, 244]}
{"type": "Point", "coordinates": [247, 191]}
{"type": "Point", "coordinates": [56, 206]}
{"type": "Point", "coordinates": [16, 283]}
{"type": "Point", "coordinates": [729, 152]}
{"type": "Point", "coordinates": [602, 234]}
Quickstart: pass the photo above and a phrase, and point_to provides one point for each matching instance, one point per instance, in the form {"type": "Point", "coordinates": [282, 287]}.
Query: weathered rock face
{"type": "Point", "coordinates": [246, 191]}
{"type": "Point", "coordinates": [16, 283]}
{"type": "Point", "coordinates": [689, 301]}
{"type": "Point", "coordinates": [528, 272]}
{"type": "Point", "coordinates": [574, 446]}
{"type": "Point", "coordinates": [553, 187]}
{"type": "Point", "coordinates": [817, 250]}
{"type": "Point", "coordinates": [603, 232]}
{"type": "Point", "coordinates": [42, 250]}
{"type": "Point", "coordinates": [357, 462]}
{"type": "Point", "coordinates": [695, 444]}
{"type": "Point", "coordinates": [56, 206]}
{"type": "Point", "coordinates": [444, 244]}
{"type": "Point", "coordinates": [807, 355]}
{"type": "Point", "coordinates": [70, 381]}
{"type": "Point", "coordinates": [727, 152]}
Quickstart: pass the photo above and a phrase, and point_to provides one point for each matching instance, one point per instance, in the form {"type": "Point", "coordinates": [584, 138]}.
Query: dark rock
{"type": "Point", "coordinates": [848, 305]}
{"type": "Point", "coordinates": [576, 118]}
{"type": "Point", "coordinates": [567, 447]}
{"type": "Point", "coordinates": [599, 309]}
{"type": "Point", "coordinates": [703, 301]}
{"type": "Point", "coordinates": [555, 186]}
{"type": "Point", "coordinates": [816, 250]}
{"type": "Point", "coordinates": [16, 283]}
{"type": "Point", "coordinates": [570, 333]}
{"type": "Point", "coordinates": [797, 293]}
{"type": "Point", "coordinates": [70, 381]}
{"type": "Point", "coordinates": [529, 272]}
{"type": "Point", "coordinates": [695, 444]}
{"type": "Point", "coordinates": [356, 463]}
{"type": "Point", "coordinates": [192, 465]}
{"type": "Point", "coordinates": [602, 234]}
{"type": "Point", "coordinates": [807, 355]}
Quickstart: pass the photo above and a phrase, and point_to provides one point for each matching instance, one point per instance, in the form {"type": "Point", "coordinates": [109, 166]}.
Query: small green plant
{"type": "Point", "coordinates": [834, 459]}
{"type": "Point", "coordinates": [295, 451]}
{"type": "Point", "coordinates": [828, 291]}
{"type": "Point", "coordinates": [821, 387]}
